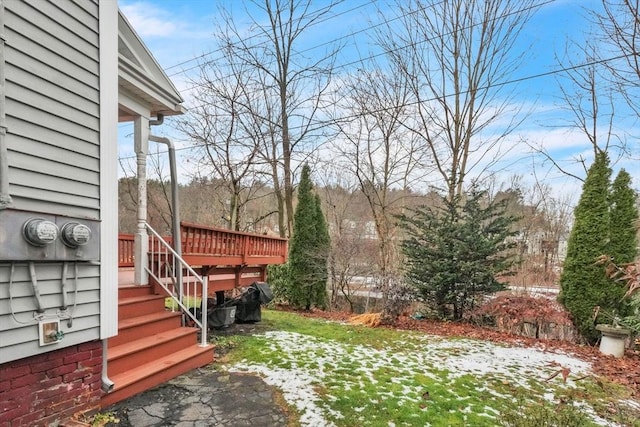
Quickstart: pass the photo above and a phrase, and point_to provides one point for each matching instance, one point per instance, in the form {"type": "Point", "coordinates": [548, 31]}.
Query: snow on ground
{"type": "Point", "coordinates": [306, 361]}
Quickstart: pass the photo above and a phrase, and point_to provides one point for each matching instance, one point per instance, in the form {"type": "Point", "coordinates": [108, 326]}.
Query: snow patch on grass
{"type": "Point", "coordinates": [304, 363]}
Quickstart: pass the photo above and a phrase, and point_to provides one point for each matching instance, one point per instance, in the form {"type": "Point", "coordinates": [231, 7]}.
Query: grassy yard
{"type": "Point", "coordinates": [333, 374]}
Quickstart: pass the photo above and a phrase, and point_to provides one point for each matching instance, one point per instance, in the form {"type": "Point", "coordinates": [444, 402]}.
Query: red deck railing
{"type": "Point", "coordinates": [209, 246]}
{"type": "Point", "coordinates": [126, 250]}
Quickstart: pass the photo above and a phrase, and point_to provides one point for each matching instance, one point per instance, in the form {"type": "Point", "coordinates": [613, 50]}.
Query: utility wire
{"type": "Point", "coordinates": [409, 104]}
{"type": "Point", "coordinates": [370, 57]}
{"type": "Point", "coordinates": [376, 55]}
{"type": "Point", "coordinates": [328, 18]}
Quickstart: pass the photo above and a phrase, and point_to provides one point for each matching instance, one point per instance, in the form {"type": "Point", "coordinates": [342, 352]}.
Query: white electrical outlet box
{"type": "Point", "coordinates": [50, 332]}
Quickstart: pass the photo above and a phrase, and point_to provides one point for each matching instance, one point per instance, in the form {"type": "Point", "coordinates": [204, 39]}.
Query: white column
{"type": "Point", "coordinates": [108, 170]}
{"type": "Point", "coordinates": [141, 140]}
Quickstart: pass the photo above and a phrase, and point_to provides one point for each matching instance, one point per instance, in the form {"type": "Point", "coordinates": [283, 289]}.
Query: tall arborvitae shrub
{"type": "Point", "coordinates": [454, 253]}
{"type": "Point", "coordinates": [308, 251]}
{"type": "Point", "coordinates": [323, 247]}
{"type": "Point", "coordinates": [623, 245]}
{"type": "Point", "coordinates": [583, 286]}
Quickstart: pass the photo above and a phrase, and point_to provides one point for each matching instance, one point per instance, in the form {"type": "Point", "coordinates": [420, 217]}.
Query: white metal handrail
{"type": "Point", "coordinates": [168, 266]}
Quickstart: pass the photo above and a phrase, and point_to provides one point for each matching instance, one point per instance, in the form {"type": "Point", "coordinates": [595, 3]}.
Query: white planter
{"type": "Point", "coordinates": [613, 339]}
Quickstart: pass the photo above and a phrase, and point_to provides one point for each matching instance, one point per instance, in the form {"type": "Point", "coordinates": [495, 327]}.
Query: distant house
{"type": "Point", "coordinates": [69, 71]}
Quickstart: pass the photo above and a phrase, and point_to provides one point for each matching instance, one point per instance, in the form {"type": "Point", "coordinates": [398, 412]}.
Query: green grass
{"type": "Point", "coordinates": [373, 377]}
{"type": "Point", "coordinates": [190, 302]}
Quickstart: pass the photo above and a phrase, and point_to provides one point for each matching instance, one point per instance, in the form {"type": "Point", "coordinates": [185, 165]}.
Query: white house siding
{"type": "Point", "coordinates": [52, 103]}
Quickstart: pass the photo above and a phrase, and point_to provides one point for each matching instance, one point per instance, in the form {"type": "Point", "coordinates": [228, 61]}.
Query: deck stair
{"type": "Point", "coordinates": [151, 346]}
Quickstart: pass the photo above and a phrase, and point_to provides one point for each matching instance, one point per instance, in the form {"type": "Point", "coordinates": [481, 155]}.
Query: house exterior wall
{"type": "Point", "coordinates": [51, 67]}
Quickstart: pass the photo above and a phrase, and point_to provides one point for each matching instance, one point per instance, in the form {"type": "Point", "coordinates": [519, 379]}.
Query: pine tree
{"type": "Point", "coordinates": [456, 251]}
{"type": "Point", "coordinates": [309, 249]}
{"type": "Point", "coordinates": [583, 285]}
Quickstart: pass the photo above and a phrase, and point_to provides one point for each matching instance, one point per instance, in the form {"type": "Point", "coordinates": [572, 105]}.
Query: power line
{"type": "Point", "coordinates": [384, 22]}
{"type": "Point", "coordinates": [328, 18]}
{"type": "Point", "coordinates": [370, 57]}
{"type": "Point", "coordinates": [487, 87]}
{"type": "Point", "coordinates": [334, 41]}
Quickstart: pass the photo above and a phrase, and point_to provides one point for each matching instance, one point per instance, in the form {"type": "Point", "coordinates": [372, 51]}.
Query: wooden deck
{"type": "Point", "coordinates": [229, 258]}
{"type": "Point", "coordinates": [153, 344]}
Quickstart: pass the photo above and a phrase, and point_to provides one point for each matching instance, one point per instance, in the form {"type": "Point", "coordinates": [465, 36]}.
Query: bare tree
{"type": "Point", "coordinates": [382, 156]}
{"type": "Point", "coordinates": [227, 132]}
{"type": "Point", "coordinates": [456, 56]}
{"type": "Point", "coordinates": [589, 99]}
{"type": "Point", "coordinates": [620, 25]}
{"type": "Point", "coordinates": [349, 255]}
{"type": "Point", "coordinates": [292, 84]}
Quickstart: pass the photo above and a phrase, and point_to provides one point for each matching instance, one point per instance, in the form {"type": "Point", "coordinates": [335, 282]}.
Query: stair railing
{"type": "Point", "coordinates": [166, 266]}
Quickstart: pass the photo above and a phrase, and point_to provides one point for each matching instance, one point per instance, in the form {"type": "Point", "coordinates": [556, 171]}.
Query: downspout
{"type": "Point", "coordinates": [177, 239]}
{"type": "Point", "coordinates": [5, 198]}
{"type": "Point", "coordinates": [107, 383]}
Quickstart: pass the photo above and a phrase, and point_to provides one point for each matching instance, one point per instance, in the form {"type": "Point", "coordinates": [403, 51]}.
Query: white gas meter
{"type": "Point", "coordinates": [40, 232]}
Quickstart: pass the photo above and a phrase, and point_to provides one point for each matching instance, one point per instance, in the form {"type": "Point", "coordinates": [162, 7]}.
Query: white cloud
{"type": "Point", "coordinates": [150, 21]}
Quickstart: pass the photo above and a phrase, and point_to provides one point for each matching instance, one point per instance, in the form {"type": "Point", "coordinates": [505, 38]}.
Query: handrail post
{"type": "Point", "coordinates": [168, 252]}
{"type": "Point", "coordinates": [205, 309]}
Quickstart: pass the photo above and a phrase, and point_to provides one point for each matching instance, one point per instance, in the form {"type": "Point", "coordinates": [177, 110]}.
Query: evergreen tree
{"type": "Point", "coordinates": [322, 254]}
{"type": "Point", "coordinates": [583, 285]}
{"type": "Point", "coordinates": [624, 217]}
{"type": "Point", "coordinates": [309, 249]}
{"type": "Point", "coordinates": [623, 242]}
{"type": "Point", "coordinates": [456, 251]}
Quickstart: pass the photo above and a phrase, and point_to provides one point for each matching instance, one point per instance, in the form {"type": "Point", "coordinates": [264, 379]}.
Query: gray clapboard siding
{"type": "Point", "coordinates": [47, 165]}
{"type": "Point", "coordinates": [60, 106]}
{"type": "Point", "coordinates": [48, 121]}
{"type": "Point", "coordinates": [83, 317]}
{"type": "Point", "coordinates": [62, 199]}
{"type": "Point", "coordinates": [83, 9]}
{"type": "Point", "coordinates": [32, 347]}
{"type": "Point", "coordinates": [51, 66]}
{"type": "Point", "coordinates": [72, 19]}
{"type": "Point", "coordinates": [83, 161]}
{"type": "Point", "coordinates": [20, 80]}
{"type": "Point", "coordinates": [55, 207]}
{"type": "Point", "coordinates": [24, 63]}
{"type": "Point", "coordinates": [28, 131]}
{"type": "Point", "coordinates": [49, 276]}
{"type": "Point", "coordinates": [54, 183]}
{"type": "Point", "coordinates": [81, 71]}
{"type": "Point", "coordinates": [40, 34]}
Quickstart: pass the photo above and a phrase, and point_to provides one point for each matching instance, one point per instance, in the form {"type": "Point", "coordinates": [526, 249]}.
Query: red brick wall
{"type": "Point", "coordinates": [51, 387]}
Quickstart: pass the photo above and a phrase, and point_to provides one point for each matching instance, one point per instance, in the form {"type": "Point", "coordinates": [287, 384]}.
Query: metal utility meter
{"type": "Point", "coordinates": [75, 234]}
{"type": "Point", "coordinates": [40, 232]}
{"type": "Point", "coordinates": [32, 236]}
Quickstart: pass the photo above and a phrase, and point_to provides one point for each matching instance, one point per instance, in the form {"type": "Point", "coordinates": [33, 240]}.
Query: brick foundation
{"type": "Point", "coordinates": [49, 388]}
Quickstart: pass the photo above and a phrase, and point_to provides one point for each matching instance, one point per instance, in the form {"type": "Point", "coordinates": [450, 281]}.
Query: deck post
{"type": "Point", "coordinates": [141, 260]}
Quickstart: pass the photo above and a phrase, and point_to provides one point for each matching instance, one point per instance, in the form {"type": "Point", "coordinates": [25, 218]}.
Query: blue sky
{"type": "Point", "coordinates": [177, 31]}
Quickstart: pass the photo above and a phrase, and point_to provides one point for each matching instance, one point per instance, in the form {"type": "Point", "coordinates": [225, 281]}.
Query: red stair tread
{"type": "Point", "coordinates": [157, 372]}
{"type": "Point", "coordinates": [147, 318]}
{"type": "Point", "coordinates": [136, 299]}
{"type": "Point", "coordinates": [158, 365]}
{"type": "Point", "coordinates": [146, 342]}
